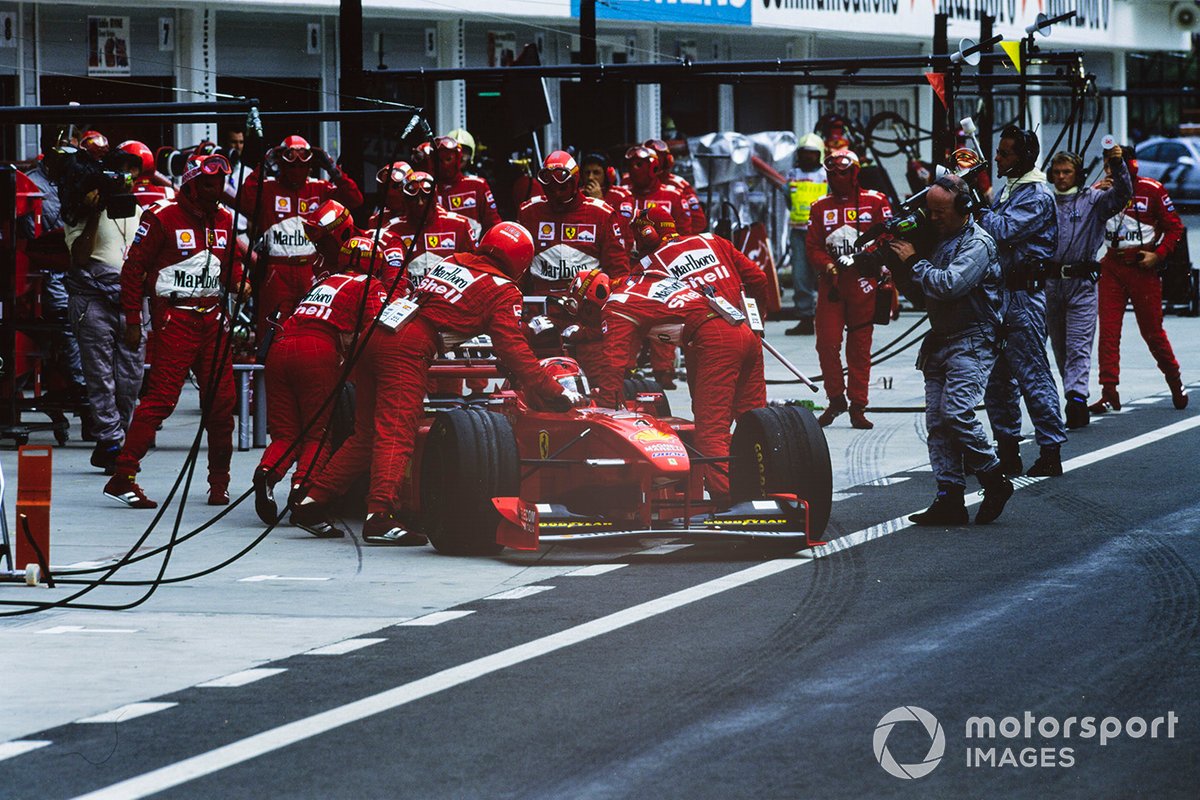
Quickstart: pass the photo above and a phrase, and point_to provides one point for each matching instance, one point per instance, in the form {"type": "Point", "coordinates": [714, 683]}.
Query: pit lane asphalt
{"type": "Point", "coordinates": [1083, 599]}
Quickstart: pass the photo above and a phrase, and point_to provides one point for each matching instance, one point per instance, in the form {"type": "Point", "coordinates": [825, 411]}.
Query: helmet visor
{"type": "Point", "coordinates": [419, 187]}
{"type": "Point", "coordinates": [293, 155]}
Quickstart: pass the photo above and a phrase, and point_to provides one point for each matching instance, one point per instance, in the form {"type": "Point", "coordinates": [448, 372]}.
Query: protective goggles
{"type": "Point", "coordinates": [215, 165]}
{"type": "Point", "coordinates": [445, 143]}
{"type": "Point", "coordinates": [421, 186]}
{"type": "Point", "coordinates": [559, 175]}
{"type": "Point", "coordinates": [640, 154]}
{"type": "Point", "coordinates": [294, 154]}
{"type": "Point", "coordinates": [393, 175]}
{"type": "Point", "coordinates": [840, 162]}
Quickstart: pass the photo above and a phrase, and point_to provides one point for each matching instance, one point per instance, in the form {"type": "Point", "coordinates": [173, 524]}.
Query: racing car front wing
{"type": "Point", "coordinates": [778, 518]}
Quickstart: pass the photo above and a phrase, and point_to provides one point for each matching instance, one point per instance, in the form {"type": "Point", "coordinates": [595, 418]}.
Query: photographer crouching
{"type": "Point", "coordinates": [963, 290]}
{"type": "Point", "coordinates": [101, 225]}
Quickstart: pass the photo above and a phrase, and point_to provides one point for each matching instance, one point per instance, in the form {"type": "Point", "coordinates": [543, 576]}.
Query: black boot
{"type": "Point", "coordinates": [837, 405]}
{"type": "Point", "coordinates": [996, 491]}
{"type": "Point", "coordinates": [313, 518]}
{"type": "Point", "coordinates": [1048, 464]}
{"type": "Point", "coordinates": [1179, 395]}
{"type": "Point", "coordinates": [948, 508]}
{"type": "Point", "coordinates": [1009, 451]}
{"type": "Point", "coordinates": [1078, 415]}
{"type": "Point", "coordinates": [264, 496]}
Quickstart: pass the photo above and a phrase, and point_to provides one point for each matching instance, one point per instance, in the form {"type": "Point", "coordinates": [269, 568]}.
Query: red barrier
{"type": "Point", "coordinates": [34, 471]}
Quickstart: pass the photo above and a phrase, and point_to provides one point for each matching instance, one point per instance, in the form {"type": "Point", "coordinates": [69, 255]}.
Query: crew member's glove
{"type": "Point", "coordinates": [575, 399]}
{"type": "Point", "coordinates": [132, 337]}
{"type": "Point", "coordinates": [569, 332]}
{"type": "Point", "coordinates": [326, 163]}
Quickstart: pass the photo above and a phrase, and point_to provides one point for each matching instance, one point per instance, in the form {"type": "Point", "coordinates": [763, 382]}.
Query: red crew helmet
{"type": "Point", "coordinates": [295, 148]}
{"type": "Point", "coordinates": [842, 160]}
{"type": "Point", "coordinates": [95, 143]}
{"type": "Point", "coordinates": [591, 286]}
{"type": "Point", "coordinates": [394, 174]}
{"type": "Point", "coordinates": [139, 151]}
{"type": "Point", "coordinates": [510, 246]}
{"type": "Point", "coordinates": [330, 219]}
{"type": "Point", "coordinates": [653, 228]}
{"type": "Point", "coordinates": [559, 167]}
{"type": "Point", "coordinates": [663, 151]}
{"type": "Point", "coordinates": [566, 373]}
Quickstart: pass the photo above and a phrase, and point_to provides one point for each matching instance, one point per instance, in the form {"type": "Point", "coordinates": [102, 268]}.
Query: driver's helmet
{"type": "Point", "coordinates": [567, 373]}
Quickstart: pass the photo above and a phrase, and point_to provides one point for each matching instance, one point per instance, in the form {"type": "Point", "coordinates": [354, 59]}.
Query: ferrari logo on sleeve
{"type": "Point", "coordinates": [543, 444]}
{"type": "Point", "coordinates": [185, 239]}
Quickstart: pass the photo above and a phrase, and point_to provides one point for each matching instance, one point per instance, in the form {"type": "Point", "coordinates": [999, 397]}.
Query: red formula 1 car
{"type": "Point", "coordinates": [496, 473]}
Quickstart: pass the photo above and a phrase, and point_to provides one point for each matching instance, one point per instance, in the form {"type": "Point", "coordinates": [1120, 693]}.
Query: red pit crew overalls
{"type": "Point", "coordinates": [305, 365]}
{"type": "Point", "coordinates": [288, 273]}
{"type": "Point", "coordinates": [725, 362]}
{"type": "Point", "coordinates": [662, 356]}
{"type": "Point", "coordinates": [471, 197]}
{"type": "Point", "coordinates": [464, 295]}
{"type": "Point", "coordinates": [586, 236]}
{"type": "Point", "coordinates": [179, 259]}
{"type": "Point", "coordinates": [443, 234]}
{"type": "Point", "coordinates": [1149, 223]}
{"type": "Point", "coordinates": [709, 260]}
{"type": "Point", "coordinates": [835, 224]}
{"type": "Point", "coordinates": [695, 210]}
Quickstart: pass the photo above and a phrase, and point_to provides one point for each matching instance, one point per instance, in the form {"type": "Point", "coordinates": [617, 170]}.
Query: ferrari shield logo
{"type": "Point", "coordinates": [432, 240]}
{"type": "Point", "coordinates": [851, 214]}
{"type": "Point", "coordinates": [543, 444]}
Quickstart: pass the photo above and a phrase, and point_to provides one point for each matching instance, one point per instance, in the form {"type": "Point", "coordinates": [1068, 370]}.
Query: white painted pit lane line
{"type": "Point", "coordinates": [262, 578]}
{"type": "Point", "coordinates": [20, 747]}
{"type": "Point", "coordinates": [594, 569]}
{"type": "Point", "coordinates": [197, 766]}
{"type": "Point", "coordinates": [891, 480]}
{"type": "Point", "coordinates": [1143, 401]}
{"type": "Point", "coordinates": [519, 592]}
{"type": "Point", "coordinates": [844, 495]}
{"type": "Point", "coordinates": [341, 648]}
{"type": "Point", "coordinates": [660, 550]}
{"type": "Point", "coordinates": [59, 630]}
{"type": "Point", "coordinates": [436, 618]}
{"type": "Point", "coordinates": [242, 678]}
{"type": "Point", "coordinates": [127, 712]}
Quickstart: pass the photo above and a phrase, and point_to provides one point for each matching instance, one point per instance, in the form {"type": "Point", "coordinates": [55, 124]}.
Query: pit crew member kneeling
{"type": "Point", "coordinates": [723, 355]}
{"type": "Point", "coordinates": [963, 288]}
{"type": "Point", "coordinates": [466, 295]}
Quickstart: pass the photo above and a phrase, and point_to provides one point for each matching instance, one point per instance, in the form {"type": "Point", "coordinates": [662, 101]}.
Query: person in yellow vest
{"type": "Point", "coordinates": [806, 184]}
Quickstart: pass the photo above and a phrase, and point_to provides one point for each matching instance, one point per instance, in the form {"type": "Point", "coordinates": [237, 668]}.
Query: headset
{"type": "Point", "coordinates": [957, 187]}
{"type": "Point", "coordinates": [1075, 162]}
{"type": "Point", "coordinates": [1028, 147]}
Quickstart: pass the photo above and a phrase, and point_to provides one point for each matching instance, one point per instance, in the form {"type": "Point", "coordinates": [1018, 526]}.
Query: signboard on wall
{"type": "Point", "coordinates": [692, 12]}
{"type": "Point", "coordinates": [108, 45]}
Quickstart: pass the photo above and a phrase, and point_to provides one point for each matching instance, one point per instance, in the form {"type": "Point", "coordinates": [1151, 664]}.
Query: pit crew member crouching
{"type": "Point", "coordinates": [466, 295]}
{"type": "Point", "coordinates": [724, 356]}
{"type": "Point", "coordinates": [305, 366]}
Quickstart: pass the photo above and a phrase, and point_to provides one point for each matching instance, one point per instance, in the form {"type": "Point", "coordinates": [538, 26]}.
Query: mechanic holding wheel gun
{"type": "Point", "coordinates": [723, 355]}
{"type": "Point", "coordinates": [845, 297]}
{"type": "Point", "coordinates": [464, 296]}
{"type": "Point", "coordinates": [963, 290]}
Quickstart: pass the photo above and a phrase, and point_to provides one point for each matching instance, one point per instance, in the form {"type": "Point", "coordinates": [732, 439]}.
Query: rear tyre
{"type": "Point", "coordinates": [782, 449]}
{"type": "Point", "coordinates": [636, 386]}
{"type": "Point", "coordinates": [470, 457]}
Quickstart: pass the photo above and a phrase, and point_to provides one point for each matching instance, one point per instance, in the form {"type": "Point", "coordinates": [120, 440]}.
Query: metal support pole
{"type": "Point", "coordinates": [988, 123]}
{"type": "Point", "coordinates": [941, 46]}
{"type": "Point", "coordinates": [352, 85]}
